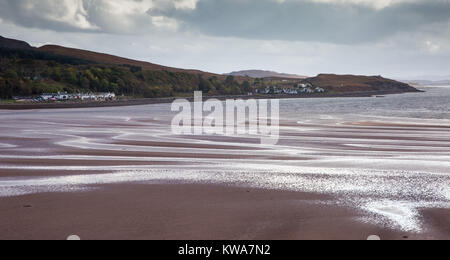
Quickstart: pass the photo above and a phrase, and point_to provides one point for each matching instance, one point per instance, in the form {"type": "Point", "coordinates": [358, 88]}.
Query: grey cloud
{"type": "Point", "coordinates": [43, 15]}
{"type": "Point", "coordinates": [307, 21]}
{"type": "Point", "coordinates": [401, 56]}
{"type": "Point", "coordinates": [290, 20]}
{"type": "Point", "coordinates": [74, 16]}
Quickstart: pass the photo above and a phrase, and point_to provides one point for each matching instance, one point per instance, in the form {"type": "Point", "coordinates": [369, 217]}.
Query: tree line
{"type": "Point", "coordinates": [31, 73]}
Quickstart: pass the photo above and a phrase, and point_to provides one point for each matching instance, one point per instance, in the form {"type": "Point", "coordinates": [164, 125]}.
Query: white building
{"type": "Point", "coordinates": [290, 91]}
{"type": "Point", "coordinates": [304, 85]}
{"type": "Point", "coordinates": [62, 96]}
{"type": "Point", "coordinates": [47, 96]}
{"type": "Point", "coordinates": [108, 95]}
{"type": "Point", "coordinates": [320, 90]}
{"type": "Point", "coordinates": [86, 96]}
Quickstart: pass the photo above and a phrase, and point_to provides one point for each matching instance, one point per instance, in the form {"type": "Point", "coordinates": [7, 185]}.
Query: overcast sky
{"type": "Point", "coordinates": [394, 38]}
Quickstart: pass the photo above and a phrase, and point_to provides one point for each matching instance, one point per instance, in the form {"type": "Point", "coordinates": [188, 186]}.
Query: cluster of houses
{"type": "Point", "coordinates": [308, 88]}
{"type": "Point", "coordinates": [303, 88]}
{"type": "Point", "coordinates": [63, 96]}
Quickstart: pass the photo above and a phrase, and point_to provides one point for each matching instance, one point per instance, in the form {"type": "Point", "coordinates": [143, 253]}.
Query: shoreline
{"type": "Point", "coordinates": [152, 101]}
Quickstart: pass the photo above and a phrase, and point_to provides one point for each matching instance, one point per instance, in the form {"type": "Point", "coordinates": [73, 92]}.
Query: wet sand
{"type": "Point", "coordinates": [27, 173]}
{"type": "Point", "coordinates": [192, 212]}
{"type": "Point", "coordinates": [119, 173]}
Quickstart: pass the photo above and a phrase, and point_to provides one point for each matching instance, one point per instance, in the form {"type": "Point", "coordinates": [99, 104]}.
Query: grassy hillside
{"type": "Point", "coordinates": [264, 74]}
{"type": "Point", "coordinates": [25, 72]}
{"type": "Point", "coordinates": [102, 58]}
{"type": "Point", "coordinates": [351, 83]}
{"type": "Point", "coordinates": [14, 44]}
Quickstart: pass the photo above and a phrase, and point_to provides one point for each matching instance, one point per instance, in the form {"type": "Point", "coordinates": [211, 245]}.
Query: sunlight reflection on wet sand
{"type": "Point", "coordinates": [385, 164]}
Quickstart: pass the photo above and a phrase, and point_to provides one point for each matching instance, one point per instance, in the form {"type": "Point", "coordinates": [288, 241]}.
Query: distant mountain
{"type": "Point", "coordinates": [441, 82]}
{"type": "Point", "coordinates": [14, 44]}
{"type": "Point", "coordinates": [264, 74]}
{"type": "Point", "coordinates": [429, 78]}
{"type": "Point", "coordinates": [428, 82]}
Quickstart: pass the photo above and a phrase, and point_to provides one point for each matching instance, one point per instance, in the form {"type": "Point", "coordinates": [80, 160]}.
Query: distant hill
{"type": "Point", "coordinates": [14, 44]}
{"type": "Point", "coordinates": [352, 83]}
{"type": "Point", "coordinates": [428, 82]}
{"type": "Point", "coordinates": [95, 57]}
{"type": "Point", "coordinates": [27, 71]}
{"type": "Point", "coordinates": [102, 58]}
{"type": "Point", "coordinates": [264, 74]}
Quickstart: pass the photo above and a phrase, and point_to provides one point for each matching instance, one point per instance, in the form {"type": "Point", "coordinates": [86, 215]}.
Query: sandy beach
{"type": "Point", "coordinates": [344, 168]}
{"type": "Point", "coordinates": [225, 126]}
{"type": "Point", "coordinates": [192, 212]}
